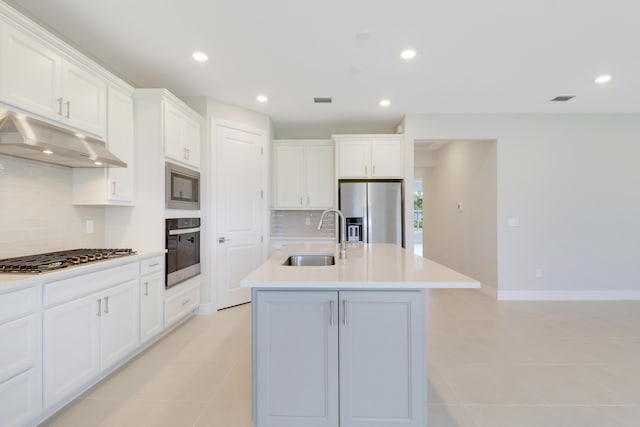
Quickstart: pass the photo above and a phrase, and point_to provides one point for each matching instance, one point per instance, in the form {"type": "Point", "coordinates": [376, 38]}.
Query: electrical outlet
{"type": "Point", "coordinates": [88, 225]}
{"type": "Point", "coordinates": [538, 272]}
{"type": "Point", "coordinates": [307, 221]}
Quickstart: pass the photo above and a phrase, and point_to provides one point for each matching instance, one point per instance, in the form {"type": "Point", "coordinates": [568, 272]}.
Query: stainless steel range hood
{"type": "Point", "coordinates": [29, 138]}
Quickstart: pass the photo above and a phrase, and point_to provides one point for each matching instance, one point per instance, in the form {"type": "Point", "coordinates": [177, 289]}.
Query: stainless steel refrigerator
{"type": "Point", "coordinates": [372, 211]}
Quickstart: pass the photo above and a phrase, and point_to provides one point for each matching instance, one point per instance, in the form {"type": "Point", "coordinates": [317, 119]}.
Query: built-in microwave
{"type": "Point", "coordinates": [183, 187]}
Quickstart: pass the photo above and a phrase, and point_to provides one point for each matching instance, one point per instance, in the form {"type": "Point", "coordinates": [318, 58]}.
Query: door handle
{"type": "Point", "coordinates": [68, 103]}
{"type": "Point", "coordinates": [99, 313]}
{"type": "Point", "coordinates": [59, 106]}
{"type": "Point", "coordinates": [146, 289]}
{"type": "Point", "coordinates": [106, 305]}
{"type": "Point", "coordinates": [331, 312]}
{"type": "Point", "coordinates": [223, 240]}
{"type": "Point", "coordinates": [344, 309]}
{"type": "Point", "coordinates": [374, 170]}
{"type": "Point", "coordinates": [113, 188]}
{"type": "Point", "coordinates": [365, 170]}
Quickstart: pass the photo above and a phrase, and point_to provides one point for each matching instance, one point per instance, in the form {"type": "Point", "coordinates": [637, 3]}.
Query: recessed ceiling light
{"type": "Point", "coordinates": [97, 163]}
{"type": "Point", "coordinates": [200, 56]}
{"type": "Point", "coordinates": [408, 54]}
{"type": "Point", "coordinates": [261, 98]}
{"type": "Point", "coordinates": [603, 79]}
{"type": "Point", "coordinates": [47, 151]}
{"type": "Point", "coordinates": [385, 103]}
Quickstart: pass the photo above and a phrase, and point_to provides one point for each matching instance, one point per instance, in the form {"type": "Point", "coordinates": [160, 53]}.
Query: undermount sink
{"type": "Point", "coordinates": [307, 260]}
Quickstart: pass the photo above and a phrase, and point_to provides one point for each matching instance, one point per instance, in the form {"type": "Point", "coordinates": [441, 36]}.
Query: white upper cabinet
{"type": "Point", "coordinates": [303, 174]}
{"type": "Point", "coordinates": [38, 78]}
{"type": "Point", "coordinates": [369, 156]}
{"type": "Point", "coordinates": [181, 135]}
{"type": "Point", "coordinates": [111, 186]}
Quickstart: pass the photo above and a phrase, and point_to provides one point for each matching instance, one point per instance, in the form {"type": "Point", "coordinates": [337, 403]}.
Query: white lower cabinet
{"type": "Point", "coordinates": [339, 358]}
{"type": "Point", "coordinates": [151, 306]}
{"type": "Point", "coordinates": [20, 356]}
{"type": "Point", "coordinates": [181, 300]}
{"type": "Point", "coordinates": [87, 335]}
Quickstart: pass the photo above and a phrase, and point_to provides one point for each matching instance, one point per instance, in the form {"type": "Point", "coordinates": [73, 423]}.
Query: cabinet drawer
{"type": "Point", "coordinates": [152, 265]}
{"type": "Point", "coordinates": [20, 344]}
{"type": "Point", "coordinates": [19, 303]}
{"type": "Point", "coordinates": [181, 304]}
{"type": "Point", "coordinates": [65, 290]}
{"type": "Point", "coordinates": [21, 398]}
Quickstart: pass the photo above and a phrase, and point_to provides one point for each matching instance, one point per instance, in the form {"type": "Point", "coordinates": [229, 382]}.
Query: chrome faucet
{"type": "Point", "coordinates": [343, 231]}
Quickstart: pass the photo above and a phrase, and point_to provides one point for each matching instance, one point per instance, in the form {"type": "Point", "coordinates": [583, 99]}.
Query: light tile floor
{"type": "Point", "coordinates": [490, 364]}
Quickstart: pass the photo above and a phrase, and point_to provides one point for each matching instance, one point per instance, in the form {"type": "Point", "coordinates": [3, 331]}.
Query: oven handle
{"type": "Point", "coordinates": [184, 231]}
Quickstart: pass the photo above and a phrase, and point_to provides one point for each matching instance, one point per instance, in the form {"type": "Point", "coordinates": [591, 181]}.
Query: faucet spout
{"type": "Point", "coordinates": [343, 230]}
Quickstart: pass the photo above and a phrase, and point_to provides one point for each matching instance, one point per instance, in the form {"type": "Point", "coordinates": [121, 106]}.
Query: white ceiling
{"type": "Point", "coordinates": [491, 56]}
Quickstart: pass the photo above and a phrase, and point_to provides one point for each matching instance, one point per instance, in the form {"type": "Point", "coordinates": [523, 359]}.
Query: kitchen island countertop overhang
{"type": "Point", "coordinates": [368, 266]}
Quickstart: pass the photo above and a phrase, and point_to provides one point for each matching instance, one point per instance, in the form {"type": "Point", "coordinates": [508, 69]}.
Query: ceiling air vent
{"type": "Point", "coordinates": [563, 98]}
{"type": "Point", "coordinates": [323, 100]}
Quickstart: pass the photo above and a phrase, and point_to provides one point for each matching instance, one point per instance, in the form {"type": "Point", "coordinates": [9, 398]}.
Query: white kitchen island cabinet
{"type": "Point", "coordinates": [339, 358]}
{"type": "Point", "coordinates": [344, 344]}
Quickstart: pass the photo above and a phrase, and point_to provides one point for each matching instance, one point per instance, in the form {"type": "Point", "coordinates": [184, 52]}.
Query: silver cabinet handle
{"type": "Point", "coordinates": [155, 264]}
{"type": "Point", "coordinates": [146, 289]}
{"type": "Point", "coordinates": [223, 240]}
{"type": "Point", "coordinates": [186, 302]}
{"type": "Point", "coordinates": [113, 188]}
{"type": "Point", "coordinates": [301, 201]}
{"type": "Point", "coordinates": [99, 313]}
{"type": "Point", "coordinates": [106, 305]}
{"type": "Point", "coordinates": [308, 200]}
{"type": "Point", "coordinates": [365, 170]}
{"type": "Point", "coordinates": [344, 308]}
{"type": "Point", "coordinates": [374, 170]}
{"type": "Point", "coordinates": [186, 153]}
{"type": "Point", "coordinates": [331, 312]}
{"type": "Point", "coordinates": [59, 106]}
{"type": "Point", "coordinates": [68, 103]}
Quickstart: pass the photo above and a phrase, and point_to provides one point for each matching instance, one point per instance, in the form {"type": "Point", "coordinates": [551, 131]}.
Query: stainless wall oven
{"type": "Point", "coordinates": [183, 250]}
{"type": "Point", "coordinates": [183, 187]}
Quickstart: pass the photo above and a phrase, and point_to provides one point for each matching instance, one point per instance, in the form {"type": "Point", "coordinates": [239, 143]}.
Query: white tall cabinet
{"type": "Point", "coordinates": [303, 174]}
{"type": "Point", "coordinates": [339, 358]}
{"type": "Point", "coordinates": [369, 156]}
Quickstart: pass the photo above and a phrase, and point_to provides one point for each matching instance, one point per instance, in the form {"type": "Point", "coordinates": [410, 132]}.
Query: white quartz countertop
{"type": "Point", "coordinates": [13, 281]}
{"type": "Point", "coordinates": [370, 266]}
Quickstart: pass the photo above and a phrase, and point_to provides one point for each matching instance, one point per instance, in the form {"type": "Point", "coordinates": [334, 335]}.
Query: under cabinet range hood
{"type": "Point", "coordinates": [29, 138]}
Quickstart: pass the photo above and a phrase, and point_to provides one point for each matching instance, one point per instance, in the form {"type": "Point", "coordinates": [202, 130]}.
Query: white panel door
{"type": "Point", "coordinates": [71, 359]}
{"type": "Point", "coordinates": [319, 177]}
{"type": "Point", "coordinates": [30, 74]}
{"type": "Point", "coordinates": [85, 99]}
{"type": "Point", "coordinates": [120, 333]}
{"type": "Point", "coordinates": [21, 398]}
{"type": "Point", "coordinates": [289, 185]}
{"type": "Point", "coordinates": [240, 211]}
{"type": "Point", "coordinates": [297, 367]}
{"type": "Point", "coordinates": [382, 372]}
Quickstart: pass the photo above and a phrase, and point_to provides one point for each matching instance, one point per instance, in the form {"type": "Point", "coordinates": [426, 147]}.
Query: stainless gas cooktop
{"type": "Point", "coordinates": [41, 263]}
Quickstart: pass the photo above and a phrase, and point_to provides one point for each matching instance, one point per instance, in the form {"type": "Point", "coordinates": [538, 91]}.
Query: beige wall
{"type": "Point", "coordinates": [571, 183]}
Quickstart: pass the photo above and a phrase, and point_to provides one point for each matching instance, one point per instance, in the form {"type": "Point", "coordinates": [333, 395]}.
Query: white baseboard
{"type": "Point", "coordinates": [489, 291]}
{"type": "Point", "coordinates": [600, 295]}
{"type": "Point", "coordinates": [206, 308]}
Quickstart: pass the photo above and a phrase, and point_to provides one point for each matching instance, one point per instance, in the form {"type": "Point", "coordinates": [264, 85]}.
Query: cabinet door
{"type": "Point", "coordinates": [319, 177]}
{"type": "Point", "coordinates": [71, 359]}
{"type": "Point", "coordinates": [120, 142]}
{"type": "Point", "coordinates": [288, 176]}
{"type": "Point", "coordinates": [84, 99]}
{"type": "Point", "coordinates": [29, 73]}
{"type": "Point", "coordinates": [120, 331]}
{"type": "Point", "coordinates": [151, 304]}
{"type": "Point", "coordinates": [173, 143]}
{"type": "Point", "coordinates": [354, 159]}
{"type": "Point", "coordinates": [297, 363]}
{"type": "Point", "coordinates": [21, 398]}
{"type": "Point", "coordinates": [382, 372]}
{"type": "Point", "coordinates": [192, 142]}
{"type": "Point", "coordinates": [386, 159]}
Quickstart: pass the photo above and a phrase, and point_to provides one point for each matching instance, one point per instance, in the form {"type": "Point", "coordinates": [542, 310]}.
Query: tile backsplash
{"type": "Point", "coordinates": [286, 223]}
{"type": "Point", "coordinates": [36, 214]}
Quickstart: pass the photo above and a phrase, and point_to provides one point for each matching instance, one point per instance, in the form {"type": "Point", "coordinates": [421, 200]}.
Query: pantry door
{"type": "Point", "coordinates": [240, 209]}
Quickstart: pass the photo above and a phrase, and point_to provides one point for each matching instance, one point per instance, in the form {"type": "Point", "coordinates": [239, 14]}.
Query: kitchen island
{"type": "Point", "coordinates": [343, 344]}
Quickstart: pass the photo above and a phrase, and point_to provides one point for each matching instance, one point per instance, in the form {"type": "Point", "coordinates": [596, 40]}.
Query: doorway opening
{"type": "Point", "coordinates": [417, 216]}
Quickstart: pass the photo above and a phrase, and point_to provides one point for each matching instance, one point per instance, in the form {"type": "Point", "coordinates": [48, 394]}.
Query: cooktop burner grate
{"type": "Point", "coordinates": [55, 260]}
